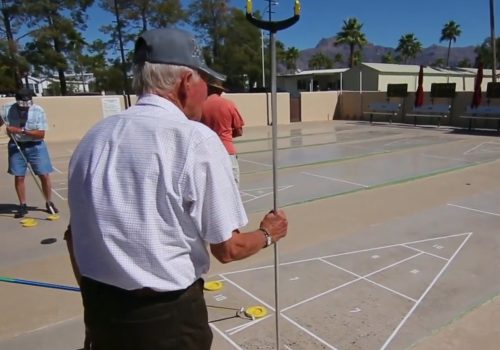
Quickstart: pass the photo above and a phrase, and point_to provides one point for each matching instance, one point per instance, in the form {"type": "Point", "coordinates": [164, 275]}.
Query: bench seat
{"type": "Point", "coordinates": [430, 111]}
{"type": "Point", "coordinates": [383, 108]}
{"type": "Point", "coordinates": [482, 112]}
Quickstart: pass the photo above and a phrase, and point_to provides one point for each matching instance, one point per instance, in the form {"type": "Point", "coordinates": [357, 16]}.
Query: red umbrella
{"type": "Point", "coordinates": [476, 97]}
{"type": "Point", "coordinates": [419, 95]}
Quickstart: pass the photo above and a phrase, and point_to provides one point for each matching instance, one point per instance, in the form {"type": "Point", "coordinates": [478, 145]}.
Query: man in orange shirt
{"type": "Point", "coordinates": [222, 116]}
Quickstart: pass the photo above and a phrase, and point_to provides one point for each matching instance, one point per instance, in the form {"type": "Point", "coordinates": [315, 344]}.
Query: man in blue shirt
{"type": "Point", "coordinates": [26, 124]}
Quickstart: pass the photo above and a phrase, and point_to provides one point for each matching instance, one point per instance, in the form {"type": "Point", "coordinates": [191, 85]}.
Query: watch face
{"type": "Point", "coordinates": [269, 240]}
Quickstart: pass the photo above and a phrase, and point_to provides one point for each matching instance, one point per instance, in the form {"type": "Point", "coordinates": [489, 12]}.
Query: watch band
{"type": "Point", "coordinates": [267, 235]}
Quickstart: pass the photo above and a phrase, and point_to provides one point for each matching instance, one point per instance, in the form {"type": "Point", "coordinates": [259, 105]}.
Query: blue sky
{"type": "Point", "coordinates": [384, 21]}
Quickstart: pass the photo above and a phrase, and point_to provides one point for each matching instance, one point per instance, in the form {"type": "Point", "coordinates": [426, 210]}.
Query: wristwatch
{"type": "Point", "coordinates": [267, 235]}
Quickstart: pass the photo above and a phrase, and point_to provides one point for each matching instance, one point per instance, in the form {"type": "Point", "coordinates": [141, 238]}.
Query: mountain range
{"type": "Point", "coordinates": [373, 53]}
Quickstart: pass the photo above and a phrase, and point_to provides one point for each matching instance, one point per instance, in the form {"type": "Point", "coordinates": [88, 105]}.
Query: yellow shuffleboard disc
{"type": "Point", "coordinates": [213, 286]}
{"type": "Point", "coordinates": [256, 311]}
{"type": "Point", "coordinates": [29, 222]}
{"type": "Point", "coordinates": [53, 217]}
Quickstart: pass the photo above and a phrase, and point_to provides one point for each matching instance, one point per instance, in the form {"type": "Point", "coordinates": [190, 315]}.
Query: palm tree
{"type": "Point", "coordinates": [351, 35]}
{"type": "Point", "coordinates": [450, 32]}
{"type": "Point", "coordinates": [338, 58]}
{"type": "Point", "coordinates": [387, 57]}
{"type": "Point", "coordinates": [409, 46]}
{"type": "Point", "coordinates": [291, 56]}
{"type": "Point", "coordinates": [484, 53]}
{"type": "Point", "coordinates": [320, 61]}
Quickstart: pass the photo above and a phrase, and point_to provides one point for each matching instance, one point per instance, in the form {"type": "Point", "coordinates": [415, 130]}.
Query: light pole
{"type": "Point", "coordinates": [493, 40]}
{"type": "Point", "coordinates": [262, 58]}
{"type": "Point", "coordinates": [122, 52]}
{"type": "Point", "coordinates": [273, 28]}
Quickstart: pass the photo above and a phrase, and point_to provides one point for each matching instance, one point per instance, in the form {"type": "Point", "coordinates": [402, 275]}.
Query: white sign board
{"type": "Point", "coordinates": [110, 106]}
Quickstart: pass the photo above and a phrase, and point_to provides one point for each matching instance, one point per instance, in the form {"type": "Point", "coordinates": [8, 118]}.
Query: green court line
{"type": "Point", "coordinates": [366, 155]}
{"type": "Point", "coordinates": [283, 137]}
{"type": "Point", "coordinates": [395, 182]}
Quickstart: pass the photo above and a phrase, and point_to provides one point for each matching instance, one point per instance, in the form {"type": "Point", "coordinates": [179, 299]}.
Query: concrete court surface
{"type": "Point", "coordinates": [393, 244]}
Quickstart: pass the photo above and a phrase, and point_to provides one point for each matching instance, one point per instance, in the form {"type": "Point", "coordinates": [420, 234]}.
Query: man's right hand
{"type": "Point", "coordinates": [276, 224]}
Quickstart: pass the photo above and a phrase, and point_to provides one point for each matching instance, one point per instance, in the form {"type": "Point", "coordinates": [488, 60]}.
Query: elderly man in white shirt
{"type": "Point", "coordinates": [149, 189]}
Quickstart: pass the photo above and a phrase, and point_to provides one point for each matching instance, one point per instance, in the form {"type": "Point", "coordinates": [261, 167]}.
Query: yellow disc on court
{"type": "Point", "coordinates": [29, 222]}
{"type": "Point", "coordinates": [256, 311]}
{"type": "Point", "coordinates": [53, 217]}
{"type": "Point", "coordinates": [213, 286]}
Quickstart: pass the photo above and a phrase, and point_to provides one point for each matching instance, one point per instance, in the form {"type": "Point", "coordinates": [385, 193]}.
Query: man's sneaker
{"type": "Point", "coordinates": [22, 210]}
{"type": "Point", "coordinates": [48, 205]}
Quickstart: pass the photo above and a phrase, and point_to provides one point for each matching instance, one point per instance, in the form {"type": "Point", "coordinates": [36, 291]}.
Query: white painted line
{"type": "Point", "coordinates": [243, 193]}
{"type": "Point", "coordinates": [229, 340]}
{"type": "Point", "coordinates": [353, 252]}
{"type": "Point", "coordinates": [335, 179]}
{"type": "Point", "coordinates": [472, 209]}
{"type": "Point", "coordinates": [266, 194]}
{"type": "Point", "coordinates": [482, 143]}
{"type": "Point", "coordinates": [59, 171]}
{"type": "Point", "coordinates": [388, 341]}
{"type": "Point", "coordinates": [58, 195]}
{"type": "Point", "coordinates": [248, 293]}
{"type": "Point", "coordinates": [287, 347]}
{"type": "Point", "coordinates": [421, 251]}
{"type": "Point", "coordinates": [445, 158]}
{"type": "Point", "coordinates": [252, 162]}
{"type": "Point", "coordinates": [321, 294]}
{"type": "Point", "coordinates": [348, 283]}
{"type": "Point", "coordinates": [309, 332]}
{"type": "Point", "coordinates": [414, 271]}
{"type": "Point", "coordinates": [245, 326]}
{"type": "Point", "coordinates": [369, 280]}
{"type": "Point", "coordinates": [474, 148]}
{"type": "Point", "coordinates": [61, 188]}
{"type": "Point", "coordinates": [392, 245]}
{"type": "Point", "coordinates": [248, 270]}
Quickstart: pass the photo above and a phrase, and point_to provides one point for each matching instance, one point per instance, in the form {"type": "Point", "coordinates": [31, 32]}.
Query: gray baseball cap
{"type": "Point", "coordinates": [172, 46]}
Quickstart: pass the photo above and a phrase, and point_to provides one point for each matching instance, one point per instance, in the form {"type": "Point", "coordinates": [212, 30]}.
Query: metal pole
{"type": "Point", "coordinates": [493, 40]}
{"type": "Point", "coordinates": [122, 52]}
{"type": "Point", "coordinates": [274, 114]}
{"type": "Point", "coordinates": [273, 27]}
{"type": "Point", "coordinates": [262, 58]}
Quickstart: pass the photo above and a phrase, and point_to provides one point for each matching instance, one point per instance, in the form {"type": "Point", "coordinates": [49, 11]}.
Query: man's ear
{"type": "Point", "coordinates": [183, 89]}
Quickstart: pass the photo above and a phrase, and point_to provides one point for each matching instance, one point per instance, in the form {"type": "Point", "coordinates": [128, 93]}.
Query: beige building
{"type": "Point", "coordinates": [376, 76]}
{"type": "Point", "coordinates": [311, 80]}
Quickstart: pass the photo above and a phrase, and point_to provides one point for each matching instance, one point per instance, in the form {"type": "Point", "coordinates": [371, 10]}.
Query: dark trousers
{"type": "Point", "coordinates": [117, 319]}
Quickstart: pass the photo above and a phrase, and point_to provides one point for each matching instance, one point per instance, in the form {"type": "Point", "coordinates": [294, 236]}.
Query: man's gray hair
{"type": "Point", "coordinates": [151, 78]}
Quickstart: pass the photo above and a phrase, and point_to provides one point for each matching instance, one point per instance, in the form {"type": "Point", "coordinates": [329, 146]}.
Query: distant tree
{"type": "Point", "coordinates": [13, 65]}
{"type": "Point", "coordinates": [338, 58]}
{"type": "Point", "coordinates": [240, 55]}
{"type": "Point", "coordinates": [464, 63]}
{"type": "Point", "coordinates": [352, 36]}
{"type": "Point", "coordinates": [450, 32]}
{"type": "Point", "coordinates": [408, 47]}
{"type": "Point", "coordinates": [209, 18]}
{"type": "Point", "coordinates": [484, 53]}
{"type": "Point", "coordinates": [357, 57]}
{"type": "Point", "coordinates": [387, 58]}
{"type": "Point", "coordinates": [57, 24]}
{"type": "Point", "coordinates": [438, 62]}
{"type": "Point", "coordinates": [320, 61]}
{"type": "Point", "coordinates": [291, 57]}
{"type": "Point", "coordinates": [144, 14]}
